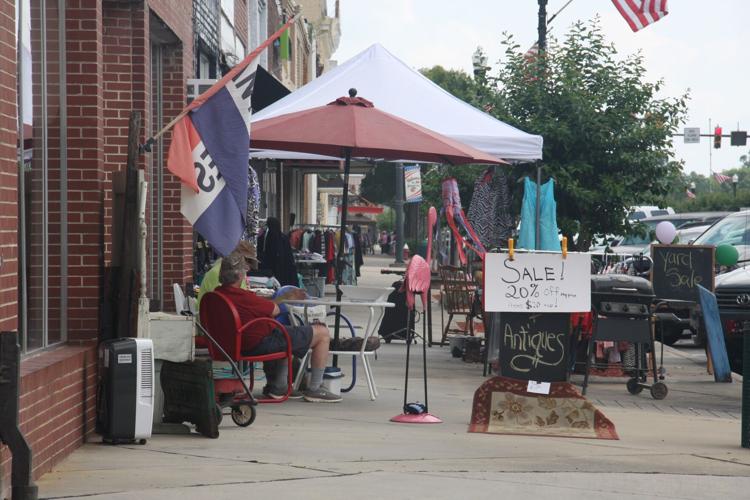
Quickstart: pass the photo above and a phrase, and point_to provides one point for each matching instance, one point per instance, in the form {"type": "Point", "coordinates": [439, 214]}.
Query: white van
{"type": "Point", "coordinates": [638, 213]}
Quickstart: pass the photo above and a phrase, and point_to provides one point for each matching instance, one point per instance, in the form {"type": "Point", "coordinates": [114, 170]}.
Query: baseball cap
{"type": "Point", "coordinates": [247, 250]}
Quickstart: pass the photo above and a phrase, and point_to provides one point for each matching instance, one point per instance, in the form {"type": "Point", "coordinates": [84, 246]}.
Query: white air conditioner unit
{"type": "Point", "coordinates": [126, 390]}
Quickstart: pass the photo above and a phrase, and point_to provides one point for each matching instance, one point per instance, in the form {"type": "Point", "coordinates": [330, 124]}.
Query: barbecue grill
{"type": "Point", "coordinates": [622, 307]}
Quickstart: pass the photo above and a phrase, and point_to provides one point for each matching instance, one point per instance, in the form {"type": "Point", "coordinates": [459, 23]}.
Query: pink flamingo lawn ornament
{"type": "Point", "coordinates": [417, 281]}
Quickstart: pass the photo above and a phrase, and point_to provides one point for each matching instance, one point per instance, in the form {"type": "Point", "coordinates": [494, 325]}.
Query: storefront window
{"type": "Point", "coordinates": [43, 176]}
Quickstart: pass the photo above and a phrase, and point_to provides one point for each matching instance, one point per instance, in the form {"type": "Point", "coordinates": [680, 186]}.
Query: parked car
{"type": "Point", "coordinates": [733, 296]}
{"type": "Point", "coordinates": [733, 285]}
{"type": "Point", "coordinates": [639, 242]}
{"type": "Point", "coordinates": [639, 213]}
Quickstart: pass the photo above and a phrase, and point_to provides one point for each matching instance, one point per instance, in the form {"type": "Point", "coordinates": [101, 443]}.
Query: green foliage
{"type": "Point", "coordinates": [386, 220]}
{"type": "Point", "coordinates": [379, 185]}
{"type": "Point", "coordinates": [454, 81]}
{"type": "Point", "coordinates": [607, 136]}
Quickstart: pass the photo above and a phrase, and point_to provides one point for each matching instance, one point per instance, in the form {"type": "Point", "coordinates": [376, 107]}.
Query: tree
{"type": "Point", "coordinates": [607, 135]}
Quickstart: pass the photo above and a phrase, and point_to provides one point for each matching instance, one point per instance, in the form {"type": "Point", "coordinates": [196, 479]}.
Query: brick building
{"type": "Point", "coordinates": [71, 74]}
{"type": "Point", "coordinates": [74, 70]}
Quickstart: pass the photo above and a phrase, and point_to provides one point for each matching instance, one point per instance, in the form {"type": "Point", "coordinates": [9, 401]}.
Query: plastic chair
{"type": "Point", "coordinates": [458, 294]}
{"type": "Point", "coordinates": [221, 321]}
{"type": "Point", "coordinates": [182, 304]}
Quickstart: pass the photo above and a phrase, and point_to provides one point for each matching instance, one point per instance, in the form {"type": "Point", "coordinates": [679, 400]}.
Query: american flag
{"type": "Point", "coordinates": [721, 178]}
{"type": "Point", "coordinates": [641, 13]}
{"type": "Point", "coordinates": [689, 194]}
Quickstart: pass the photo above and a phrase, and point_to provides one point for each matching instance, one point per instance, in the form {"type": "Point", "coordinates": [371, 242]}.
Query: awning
{"type": "Point", "coordinates": [363, 209]}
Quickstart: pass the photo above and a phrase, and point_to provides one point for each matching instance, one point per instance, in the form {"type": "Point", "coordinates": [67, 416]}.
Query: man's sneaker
{"type": "Point", "coordinates": [320, 395]}
{"type": "Point", "coordinates": [267, 391]}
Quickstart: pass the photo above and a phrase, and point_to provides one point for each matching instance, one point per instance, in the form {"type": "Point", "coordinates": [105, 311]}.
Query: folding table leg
{"type": "Point", "coordinates": [368, 375]}
{"type": "Point", "coordinates": [301, 370]}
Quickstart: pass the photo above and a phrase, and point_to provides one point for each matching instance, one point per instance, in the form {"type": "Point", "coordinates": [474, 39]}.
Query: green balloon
{"type": "Point", "coordinates": [727, 255]}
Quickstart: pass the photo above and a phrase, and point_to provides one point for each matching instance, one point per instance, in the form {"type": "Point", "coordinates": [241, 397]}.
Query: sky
{"type": "Point", "coordinates": [699, 46]}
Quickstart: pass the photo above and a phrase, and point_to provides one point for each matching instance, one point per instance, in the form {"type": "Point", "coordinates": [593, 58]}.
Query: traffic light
{"type": "Point", "coordinates": [717, 138]}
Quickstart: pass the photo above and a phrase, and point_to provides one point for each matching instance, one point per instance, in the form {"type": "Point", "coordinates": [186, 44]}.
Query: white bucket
{"type": "Point", "coordinates": [331, 380]}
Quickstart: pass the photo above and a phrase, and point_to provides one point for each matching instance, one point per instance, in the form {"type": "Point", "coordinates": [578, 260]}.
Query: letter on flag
{"type": "Point", "coordinates": [641, 13]}
{"type": "Point", "coordinates": [210, 153]}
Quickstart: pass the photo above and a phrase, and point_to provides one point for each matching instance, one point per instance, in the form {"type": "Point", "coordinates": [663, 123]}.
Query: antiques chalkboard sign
{"type": "Point", "coordinates": [534, 346]}
{"type": "Point", "coordinates": [679, 269]}
{"type": "Point", "coordinates": [537, 282]}
{"type": "Point", "coordinates": [715, 336]}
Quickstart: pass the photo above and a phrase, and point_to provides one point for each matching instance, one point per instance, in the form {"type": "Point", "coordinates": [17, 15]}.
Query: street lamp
{"type": "Point", "coordinates": [735, 180]}
{"type": "Point", "coordinates": [479, 62]}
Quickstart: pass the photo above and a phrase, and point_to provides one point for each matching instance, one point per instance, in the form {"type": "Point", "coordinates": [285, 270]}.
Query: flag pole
{"type": "Point", "coordinates": [146, 147]}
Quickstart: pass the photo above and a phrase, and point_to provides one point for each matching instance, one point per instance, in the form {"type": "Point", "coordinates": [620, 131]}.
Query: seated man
{"type": "Point", "coordinates": [265, 339]}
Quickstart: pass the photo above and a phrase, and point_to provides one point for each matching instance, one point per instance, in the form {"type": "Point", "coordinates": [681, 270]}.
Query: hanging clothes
{"type": "Point", "coordinates": [490, 209]}
{"type": "Point", "coordinates": [275, 253]}
{"type": "Point", "coordinates": [306, 239]}
{"type": "Point", "coordinates": [548, 233]}
{"type": "Point", "coordinates": [252, 219]}
{"type": "Point", "coordinates": [359, 260]}
{"type": "Point", "coordinates": [456, 218]}
{"type": "Point", "coordinates": [330, 255]}
{"type": "Point", "coordinates": [295, 239]}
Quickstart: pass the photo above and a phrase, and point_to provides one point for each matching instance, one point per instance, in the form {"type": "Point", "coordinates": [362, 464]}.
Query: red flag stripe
{"type": "Point", "coordinates": [638, 15]}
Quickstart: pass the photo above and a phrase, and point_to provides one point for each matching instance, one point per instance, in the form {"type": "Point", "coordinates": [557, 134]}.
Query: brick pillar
{"type": "Point", "coordinates": [85, 171]}
{"type": "Point", "coordinates": [8, 196]}
{"type": "Point", "coordinates": [177, 255]}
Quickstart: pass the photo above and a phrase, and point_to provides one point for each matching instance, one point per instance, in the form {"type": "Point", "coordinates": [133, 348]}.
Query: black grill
{"type": "Point", "coordinates": [621, 295]}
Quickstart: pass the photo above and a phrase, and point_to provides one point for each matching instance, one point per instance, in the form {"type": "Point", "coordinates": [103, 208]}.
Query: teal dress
{"type": "Point", "coordinates": [548, 232]}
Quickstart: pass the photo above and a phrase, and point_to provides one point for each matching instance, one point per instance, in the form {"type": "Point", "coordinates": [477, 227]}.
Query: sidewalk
{"type": "Point", "coordinates": [686, 446]}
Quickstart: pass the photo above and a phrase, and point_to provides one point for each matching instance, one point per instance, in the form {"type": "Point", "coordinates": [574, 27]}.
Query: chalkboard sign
{"type": "Point", "coordinates": [534, 346]}
{"type": "Point", "coordinates": [679, 269]}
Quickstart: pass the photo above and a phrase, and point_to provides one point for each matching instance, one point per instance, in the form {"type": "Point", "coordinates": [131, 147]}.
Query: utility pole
{"type": "Point", "coordinates": [542, 47]}
{"type": "Point", "coordinates": [710, 158]}
{"type": "Point", "coordinates": [399, 243]}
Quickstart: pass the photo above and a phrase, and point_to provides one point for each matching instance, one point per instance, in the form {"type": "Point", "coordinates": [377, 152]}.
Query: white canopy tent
{"type": "Point", "coordinates": [394, 87]}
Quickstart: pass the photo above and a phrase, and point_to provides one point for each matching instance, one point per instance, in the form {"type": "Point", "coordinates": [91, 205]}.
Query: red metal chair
{"type": "Point", "coordinates": [219, 318]}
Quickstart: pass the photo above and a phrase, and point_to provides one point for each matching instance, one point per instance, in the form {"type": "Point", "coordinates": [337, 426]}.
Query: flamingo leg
{"type": "Point", "coordinates": [424, 356]}
{"type": "Point", "coordinates": [409, 338]}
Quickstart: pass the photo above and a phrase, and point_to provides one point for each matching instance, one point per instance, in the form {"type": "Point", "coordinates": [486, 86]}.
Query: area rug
{"type": "Point", "coordinates": [502, 406]}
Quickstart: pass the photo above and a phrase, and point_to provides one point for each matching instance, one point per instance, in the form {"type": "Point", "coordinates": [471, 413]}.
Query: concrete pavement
{"type": "Point", "coordinates": [686, 446]}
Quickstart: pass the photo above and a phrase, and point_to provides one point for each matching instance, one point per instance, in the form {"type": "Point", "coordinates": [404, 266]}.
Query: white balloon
{"type": "Point", "coordinates": [665, 232]}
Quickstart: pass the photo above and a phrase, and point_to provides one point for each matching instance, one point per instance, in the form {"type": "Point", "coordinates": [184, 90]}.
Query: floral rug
{"type": "Point", "coordinates": [502, 406]}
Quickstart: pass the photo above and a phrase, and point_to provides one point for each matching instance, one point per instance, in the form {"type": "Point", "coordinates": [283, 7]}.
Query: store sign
{"type": "Point", "coordinates": [412, 184]}
{"type": "Point", "coordinates": [537, 282]}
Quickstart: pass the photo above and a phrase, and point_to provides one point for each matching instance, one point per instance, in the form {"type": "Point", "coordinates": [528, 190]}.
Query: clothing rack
{"type": "Point", "coordinates": [312, 226]}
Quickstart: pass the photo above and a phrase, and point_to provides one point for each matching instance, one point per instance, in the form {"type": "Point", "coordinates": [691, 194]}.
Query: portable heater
{"type": "Point", "coordinates": [126, 390]}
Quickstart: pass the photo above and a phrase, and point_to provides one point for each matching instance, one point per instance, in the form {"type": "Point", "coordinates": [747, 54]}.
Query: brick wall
{"type": "Point", "coordinates": [58, 407]}
{"type": "Point", "coordinates": [178, 15]}
{"type": "Point", "coordinates": [8, 170]}
{"type": "Point", "coordinates": [240, 23]}
{"type": "Point", "coordinates": [125, 74]}
{"type": "Point", "coordinates": [8, 193]}
{"type": "Point", "coordinates": [177, 254]}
